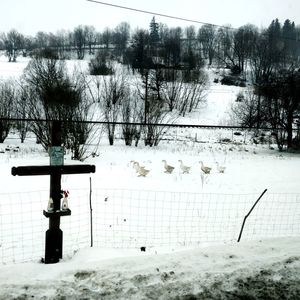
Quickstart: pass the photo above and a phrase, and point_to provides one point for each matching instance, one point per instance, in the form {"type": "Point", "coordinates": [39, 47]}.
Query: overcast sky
{"type": "Point", "coordinates": [31, 16]}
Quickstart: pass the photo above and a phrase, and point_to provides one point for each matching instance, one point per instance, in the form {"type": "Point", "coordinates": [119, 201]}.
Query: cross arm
{"type": "Point", "coordinates": [49, 170]}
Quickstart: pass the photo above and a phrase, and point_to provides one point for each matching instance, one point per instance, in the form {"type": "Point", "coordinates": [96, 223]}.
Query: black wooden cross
{"type": "Point", "coordinates": [54, 235]}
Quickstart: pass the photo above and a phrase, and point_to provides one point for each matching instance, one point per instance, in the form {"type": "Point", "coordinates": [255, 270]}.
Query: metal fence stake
{"type": "Point", "coordinates": [242, 228]}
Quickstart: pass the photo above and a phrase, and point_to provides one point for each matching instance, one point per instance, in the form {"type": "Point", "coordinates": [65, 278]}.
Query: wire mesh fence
{"type": "Point", "coordinates": [23, 225]}
{"type": "Point", "coordinates": [134, 218]}
{"type": "Point", "coordinates": [140, 218]}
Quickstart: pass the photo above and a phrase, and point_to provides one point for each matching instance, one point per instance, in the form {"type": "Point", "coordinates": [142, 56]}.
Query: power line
{"type": "Point", "coordinates": [176, 18]}
{"type": "Point", "coordinates": [170, 125]}
{"type": "Point", "coordinates": [159, 14]}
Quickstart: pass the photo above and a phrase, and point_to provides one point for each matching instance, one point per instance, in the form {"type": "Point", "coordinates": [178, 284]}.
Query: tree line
{"type": "Point", "coordinates": [220, 45]}
{"type": "Point", "coordinates": [168, 65]}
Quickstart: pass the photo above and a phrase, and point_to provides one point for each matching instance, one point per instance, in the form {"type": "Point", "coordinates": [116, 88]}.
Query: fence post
{"type": "Point", "coordinates": [242, 228]}
{"type": "Point", "coordinates": [91, 213]}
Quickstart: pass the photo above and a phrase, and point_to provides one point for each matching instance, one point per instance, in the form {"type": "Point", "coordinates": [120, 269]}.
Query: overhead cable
{"type": "Point", "coordinates": [174, 17]}
{"type": "Point", "coordinates": [159, 14]}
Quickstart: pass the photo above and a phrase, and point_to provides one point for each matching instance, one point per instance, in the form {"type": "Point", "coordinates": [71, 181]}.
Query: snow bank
{"type": "Point", "coordinates": [267, 269]}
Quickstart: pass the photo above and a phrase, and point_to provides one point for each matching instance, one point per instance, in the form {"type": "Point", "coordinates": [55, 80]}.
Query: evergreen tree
{"type": "Point", "coordinates": [275, 40]}
{"type": "Point", "coordinates": [289, 35]}
{"type": "Point", "coordinates": [141, 58]}
{"type": "Point", "coordinates": [154, 32]}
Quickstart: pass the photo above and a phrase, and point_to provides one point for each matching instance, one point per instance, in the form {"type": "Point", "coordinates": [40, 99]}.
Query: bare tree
{"type": "Point", "coordinates": [246, 109]}
{"type": "Point", "coordinates": [53, 95]}
{"type": "Point", "coordinates": [207, 37]}
{"type": "Point", "coordinates": [244, 39]}
{"type": "Point", "coordinates": [150, 90]}
{"type": "Point", "coordinates": [113, 91]}
{"type": "Point", "coordinates": [107, 37]}
{"type": "Point", "coordinates": [190, 33]}
{"type": "Point", "coordinates": [132, 113]}
{"type": "Point", "coordinates": [7, 96]}
{"type": "Point", "coordinates": [121, 37]}
{"type": "Point", "coordinates": [171, 43]}
{"type": "Point", "coordinates": [156, 122]}
{"type": "Point", "coordinates": [79, 38]}
{"type": "Point", "coordinates": [173, 87]}
{"type": "Point", "coordinates": [90, 34]}
{"type": "Point", "coordinates": [21, 112]}
{"type": "Point", "coordinates": [80, 131]}
{"type": "Point", "coordinates": [41, 39]}
{"type": "Point", "coordinates": [62, 43]}
{"type": "Point", "coordinates": [13, 42]}
{"type": "Point", "coordinates": [224, 46]}
{"type": "Point", "coordinates": [192, 93]}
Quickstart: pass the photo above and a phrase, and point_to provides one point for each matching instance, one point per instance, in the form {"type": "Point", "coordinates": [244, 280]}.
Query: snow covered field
{"type": "Point", "coordinates": [189, 223]}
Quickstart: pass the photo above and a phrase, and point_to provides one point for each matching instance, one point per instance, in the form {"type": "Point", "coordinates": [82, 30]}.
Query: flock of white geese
{"type": "Point", "coordinates": [143, 172]}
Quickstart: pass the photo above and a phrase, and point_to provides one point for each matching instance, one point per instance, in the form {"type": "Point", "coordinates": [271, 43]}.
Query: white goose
{"type": "Point", "coordinates": [168, 169]}
{"type": "Point", "coordinates": [221, 169]}
{"type": "Point", "coordinates": [137, 166]}
{"type": "Point", "coordinates": [140, 169]}
{"type": "Point", "coordinates": [184, 169]}
{"type": "Point", "coordinates": [205, 169]}
{"type": "Point", "coordinates": [143, 172]}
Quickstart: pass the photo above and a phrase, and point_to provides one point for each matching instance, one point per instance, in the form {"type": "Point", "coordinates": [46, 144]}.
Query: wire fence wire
{"type": "Point", "coordinates": [139, 218]}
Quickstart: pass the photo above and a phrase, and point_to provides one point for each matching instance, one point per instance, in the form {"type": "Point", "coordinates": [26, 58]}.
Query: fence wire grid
{"type": "Point", "coordinates": [139, 218]}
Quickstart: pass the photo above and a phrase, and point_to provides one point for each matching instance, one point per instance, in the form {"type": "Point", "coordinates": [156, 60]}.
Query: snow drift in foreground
{"type": "Point", "coordinates": [267, 269]}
